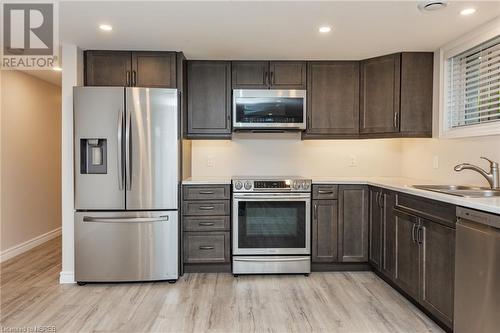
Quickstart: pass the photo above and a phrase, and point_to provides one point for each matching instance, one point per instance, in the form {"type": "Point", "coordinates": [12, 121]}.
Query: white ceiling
{"type": "Point", "coordinates": [268, 30]}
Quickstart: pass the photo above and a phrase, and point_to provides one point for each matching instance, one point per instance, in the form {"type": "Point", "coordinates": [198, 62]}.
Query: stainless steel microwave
{"type": "Point", "coordinates": [269, 109]}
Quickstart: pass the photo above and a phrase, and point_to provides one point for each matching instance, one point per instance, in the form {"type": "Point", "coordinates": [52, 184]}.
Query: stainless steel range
{"type": "Point", "coordinates": [271, 225]}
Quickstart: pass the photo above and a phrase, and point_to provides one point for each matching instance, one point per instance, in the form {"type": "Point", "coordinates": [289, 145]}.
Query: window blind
{"type": "Point", "coordinates": [474, 85]}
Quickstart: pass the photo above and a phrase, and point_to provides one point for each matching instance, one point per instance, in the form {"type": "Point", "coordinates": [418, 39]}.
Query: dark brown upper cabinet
{"type": "Point", "coordinates": [154, 69]}
{"type": "Point", "coordinates": [108, 68]}
{"type": "Point", "coordinates": [332, 99]}
{"type": "Point", "coordinates": [269, 75]}
{"type": "Point", "coordinates": [396, 95]}
{"type": "Point", "coordinates": [208, 99]}
{"type": "Point", "coordinates": [130, 69]}
{"type": "Point", "coordinates": [380, 82]}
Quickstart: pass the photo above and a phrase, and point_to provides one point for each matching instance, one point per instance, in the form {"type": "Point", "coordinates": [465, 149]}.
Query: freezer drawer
{"type": "Point", "coordinates": [126, 246]}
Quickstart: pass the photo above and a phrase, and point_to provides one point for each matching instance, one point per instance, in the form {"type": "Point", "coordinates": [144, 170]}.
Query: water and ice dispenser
{"type": "Point", "coordinates": [93, 156]}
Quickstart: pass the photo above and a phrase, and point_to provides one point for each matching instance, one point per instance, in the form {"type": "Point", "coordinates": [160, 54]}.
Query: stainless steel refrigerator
{"type": "Point", "coordinates": [126, 184]}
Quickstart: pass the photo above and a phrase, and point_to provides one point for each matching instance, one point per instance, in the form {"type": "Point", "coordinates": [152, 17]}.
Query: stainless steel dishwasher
{"type": "Point", "coordinates": [477, 272]}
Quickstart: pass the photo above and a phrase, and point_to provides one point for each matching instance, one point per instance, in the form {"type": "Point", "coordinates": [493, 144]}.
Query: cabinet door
{"type": "Point", "coordinates": [389, 236]}
{"type": "Point", "coordinates": [108, 68]}
{"type": "Point", "coordinates": [437, 246]}
{"type": "Point", "coordinates": [324, 231]}
{"type": "Point", "coordinates": [380, 82]}
{"type": "Point", "coordinates": [407, 253]}
{"type": "Point", "coordinates": [416, 93]}
{"type": "Point", "coordinates": [250, 74]}
{"type": "Point", "coordinates": [353, 223]}
{"type": "Point", "coordinates": [376, 216]}
{"type": "Point", "coordinates": [287, 74]}
{"type": "Point", "coordinates": [333, 98]}
{"type": "Point", "coordinates": [153, 69]}
{"type": "Point", "coordinates": [209, 99]}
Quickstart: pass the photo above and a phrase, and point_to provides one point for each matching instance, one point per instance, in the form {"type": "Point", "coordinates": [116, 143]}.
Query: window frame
{"type": "Point", "coordinates": [462, 44]}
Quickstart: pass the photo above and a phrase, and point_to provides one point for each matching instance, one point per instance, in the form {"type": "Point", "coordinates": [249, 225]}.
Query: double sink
{"type": "Point", "coordinates": [461, 191]}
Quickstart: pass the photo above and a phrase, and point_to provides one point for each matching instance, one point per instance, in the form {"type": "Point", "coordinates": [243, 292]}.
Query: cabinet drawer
{"type": "Point", "coordinates": [206, 247]}
{"type": "Point", "coordinates": [206, 223]}
{"type": "Point", "coordinates": [436, 211]}
{"type": "Point", "coordinates": [325, 191]}
{"type": "Point", "coordinates": [206, 192]}
{"type": "Point", "coordinates": [206, 208]}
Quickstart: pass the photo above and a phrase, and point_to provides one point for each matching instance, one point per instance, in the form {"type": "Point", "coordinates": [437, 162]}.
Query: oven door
{"type": "Point", "coordinates": [269, 109]}
{"type": "Point", "coordinates": [271, 223]}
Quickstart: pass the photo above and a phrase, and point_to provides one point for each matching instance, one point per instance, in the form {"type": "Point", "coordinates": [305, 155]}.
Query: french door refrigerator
{"type": "Point", "coordinates": [126, 144]}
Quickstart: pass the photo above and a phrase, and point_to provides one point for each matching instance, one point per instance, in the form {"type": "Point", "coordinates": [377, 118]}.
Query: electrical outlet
{"type": "Point", "coordinates": [353, 161]}
{"type": "Point", "coordinates": [210, 161]}
{"type": "Point", "coordinates": [435, 162]}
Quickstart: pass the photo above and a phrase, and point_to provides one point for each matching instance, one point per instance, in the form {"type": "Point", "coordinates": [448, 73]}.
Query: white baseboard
{"type": "Point", "coordinates": [67, 277]}
{"type": "Point", "coordinates": [29, 244]}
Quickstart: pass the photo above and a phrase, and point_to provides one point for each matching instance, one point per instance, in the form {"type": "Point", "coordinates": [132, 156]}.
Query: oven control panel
{"type": "Point", "coordinates": [287, 185]}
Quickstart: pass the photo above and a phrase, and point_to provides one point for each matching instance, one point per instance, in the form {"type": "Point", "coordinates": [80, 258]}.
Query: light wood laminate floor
{"type": "Point", "coordinates": [322, 302]}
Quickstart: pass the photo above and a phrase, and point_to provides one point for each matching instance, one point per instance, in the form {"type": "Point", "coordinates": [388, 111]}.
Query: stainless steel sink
{"type": "Point", "coordinates": [461, 191]}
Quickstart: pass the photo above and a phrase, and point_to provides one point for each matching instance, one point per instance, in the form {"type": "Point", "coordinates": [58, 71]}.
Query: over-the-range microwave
{"type": "Point", "coordinates": [255, 109]}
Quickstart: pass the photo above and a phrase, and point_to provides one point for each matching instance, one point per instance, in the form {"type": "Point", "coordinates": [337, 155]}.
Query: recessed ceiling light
{"type": "Point", "coordinates": [57, 68]}
{"type": "Point", "coordinates": [467, 11]}
{"type": "Point", "coordinates": [325, 29]}
{"type": "Point", "coordinates": [105, 27]}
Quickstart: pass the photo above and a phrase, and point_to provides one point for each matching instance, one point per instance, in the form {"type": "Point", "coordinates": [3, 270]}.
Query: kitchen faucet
{"type": "Point", "coordinates": [492, 177]}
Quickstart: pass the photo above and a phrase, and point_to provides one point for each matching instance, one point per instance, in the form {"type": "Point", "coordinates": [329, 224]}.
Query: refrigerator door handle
{"type": "Point", "coordinates": [128, 154]}
{"type": "Point", "coordinates": [125, 219]}
{"type": "Point", "coordinates": [120, 149]}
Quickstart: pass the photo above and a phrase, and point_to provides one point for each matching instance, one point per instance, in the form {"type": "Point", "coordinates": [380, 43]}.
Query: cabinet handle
{"type": "Point", "coordinates": [420, 236]}
{"type": "Point", "coordinates": [265, 77]}
{"type": "Point", "coordinates": [324, 192]}
{"type": "Point", "coordinates": [396, 119]}
{"type": "Point", "coordinates": [315, 210]}
{"type": "Point", "coordinates": [127, 78]}
{"type": "Point", "coordinates": [413, 238]}
{"type": "Point", "coordinates": [207, 207]}
{"type": "Point", "coordinates": [206, 224]}
{"type": "Point", "coordinates": [206, 192]}
{"type": "Point", "coordinates": [381, 200]}
{"type": "Point", "coordinates": [134, 78]}
{"type": "Point", "coordinates": [206, 247]}
{"type": "Point", "coordinates": [271, 78]}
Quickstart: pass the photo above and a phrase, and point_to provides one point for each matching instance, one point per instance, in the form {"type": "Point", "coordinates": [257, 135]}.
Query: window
{"type": "Point", "coordinates": [473, 86]}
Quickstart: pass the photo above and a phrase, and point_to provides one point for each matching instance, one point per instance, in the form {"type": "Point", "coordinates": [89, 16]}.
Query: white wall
{"type": "Point", "coordinates": [276, 155]}
{"type": "Point", "coordinates": [72, 63]}
{"type": "Point", "coordinates": [30, 154]}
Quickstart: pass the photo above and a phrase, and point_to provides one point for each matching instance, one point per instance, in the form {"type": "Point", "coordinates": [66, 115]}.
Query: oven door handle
{"type": "Point", "coordinates": [259, 197]}
{"type": "Point", "coordinates": [267, 259]}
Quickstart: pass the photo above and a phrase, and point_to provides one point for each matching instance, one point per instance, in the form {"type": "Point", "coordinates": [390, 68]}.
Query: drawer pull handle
{"type": "Point", "coordinates": [206, 192]}
{"type": "Point", "coordinates": [325, 192]}
{"type": "Point", "coordinates": [206, 224]}
{"type": "Point", "coordinates": [207, 207]}
{"type": "Point", "coordinates": [206, 247]}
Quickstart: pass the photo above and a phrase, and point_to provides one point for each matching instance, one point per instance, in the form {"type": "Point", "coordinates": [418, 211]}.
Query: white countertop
{"type": "Point", "coordinates": [403, 185]}
{"type": "Point", "coordinates": [207, 181]}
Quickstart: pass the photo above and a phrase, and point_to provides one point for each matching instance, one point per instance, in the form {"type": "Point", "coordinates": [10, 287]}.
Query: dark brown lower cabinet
{"type": "Point", "coordinates": [413, 246]}
{"type": "Point", "coordinates": [407, 253]}
{"type": "Point", "coordinates": [388, 260]}
{"type": "Point", "coordinates": [353, 223]}
{"type": "Point", "coordinates": [437, 266]}
{"type": "Point", "coordinates": [324, 231]}
{"type": "Point", "coordinates": [376, 217]}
